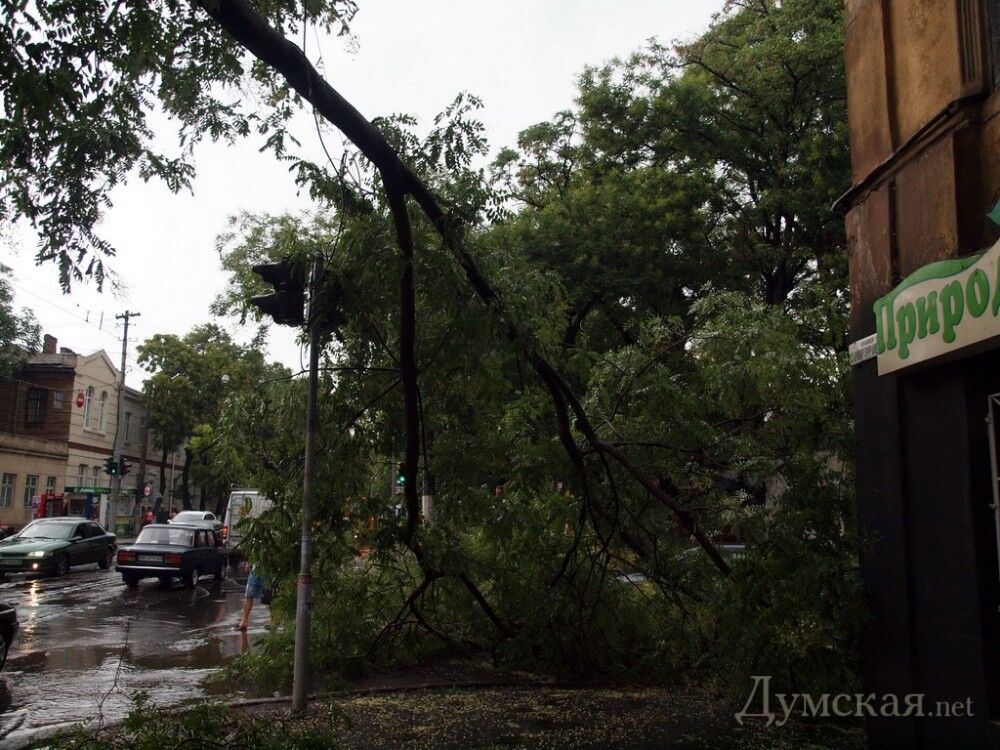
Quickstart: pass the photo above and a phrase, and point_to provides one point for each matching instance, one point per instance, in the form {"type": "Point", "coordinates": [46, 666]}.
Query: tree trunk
{"type": "Point", "coordinates": [220, 507]}
{"type": "Point", "coordinates": [407, 360]}
{"type": "Point", "coordinates": [186, 479]}
{"type": "Point", "coordinates": [163, 473]}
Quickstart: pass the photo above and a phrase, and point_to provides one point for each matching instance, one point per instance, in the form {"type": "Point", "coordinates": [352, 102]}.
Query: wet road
{"type": "Point", "coordinates": [87, 644]}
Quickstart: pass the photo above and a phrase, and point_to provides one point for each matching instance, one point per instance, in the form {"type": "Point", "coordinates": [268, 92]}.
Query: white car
{"type": "Point", "coordinates": [198, 517]}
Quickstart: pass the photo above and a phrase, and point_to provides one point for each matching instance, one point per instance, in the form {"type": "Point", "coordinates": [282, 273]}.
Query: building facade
{"type": "Point", "coordinates": [58, 422]}
{"type": "Point", "coordinates": [923, 102]}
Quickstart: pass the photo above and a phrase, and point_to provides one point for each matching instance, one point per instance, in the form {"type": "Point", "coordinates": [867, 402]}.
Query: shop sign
{"type": "Point", "coordinates": [937, 310]}
{"type": "Point", "coordinates": [86, 490]}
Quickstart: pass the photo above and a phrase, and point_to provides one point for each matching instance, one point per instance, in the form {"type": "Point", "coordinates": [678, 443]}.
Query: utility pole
{"type": "Point", "coordinates": [300, 679]}
{"type": "Point", "coordinates": [116, 451]}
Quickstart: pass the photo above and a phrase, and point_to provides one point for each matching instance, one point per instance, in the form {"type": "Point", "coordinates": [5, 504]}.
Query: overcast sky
{"type": "Point", "coordinates": [521, 57]}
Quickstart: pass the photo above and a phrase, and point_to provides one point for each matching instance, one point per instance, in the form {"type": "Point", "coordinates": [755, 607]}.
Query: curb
{"type": "Point", "coordinates": [49, 731]}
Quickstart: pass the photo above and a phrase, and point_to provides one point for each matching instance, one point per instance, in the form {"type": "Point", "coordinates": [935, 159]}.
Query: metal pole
{"type": "Point", "coordinates": [991, 428]}
{"type": "Point", "coordinates": [427, 500]}
{"type": "Point", "coordinates": [140, 480]}
{"type": "Point", "coordinates": [300, 680]}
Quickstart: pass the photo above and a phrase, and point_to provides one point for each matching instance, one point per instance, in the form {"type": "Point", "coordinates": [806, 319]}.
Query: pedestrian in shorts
{"type": "Point", "coordinates": [254, 590]}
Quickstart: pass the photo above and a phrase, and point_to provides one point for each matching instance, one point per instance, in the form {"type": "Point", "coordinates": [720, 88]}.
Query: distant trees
{"type": "Point", "coordinates": [20, 333]}
{"type": "Point", "coordinates": [192, 376]}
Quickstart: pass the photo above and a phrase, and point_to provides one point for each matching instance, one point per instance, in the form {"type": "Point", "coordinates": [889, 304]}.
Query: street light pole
{"type": "Point", "coordinates": [300, 679]}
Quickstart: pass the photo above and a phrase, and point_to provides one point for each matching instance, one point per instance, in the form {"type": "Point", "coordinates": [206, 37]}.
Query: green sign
{"type": "Point", "coordinates": [939, 309]}
{"type": "Point", "coordinates": [87, 490]}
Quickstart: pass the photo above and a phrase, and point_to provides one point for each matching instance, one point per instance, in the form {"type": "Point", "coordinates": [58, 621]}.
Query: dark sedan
{"type": "Point", "coordinates": [52, 545]}
{"type": "Point", "coordinates": [174, 551]}
{"type": "Point", "coordinates": [8, 626]}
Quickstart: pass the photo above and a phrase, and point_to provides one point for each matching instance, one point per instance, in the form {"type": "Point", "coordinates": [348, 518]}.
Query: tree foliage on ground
{"type": "Point", "coordinates": [20, 333]}
{"type": "Point", "coordinates": [661, 341]}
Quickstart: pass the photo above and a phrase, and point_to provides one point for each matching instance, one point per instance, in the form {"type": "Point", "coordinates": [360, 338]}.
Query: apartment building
{"type": "Point", "coordinates": [58, 422]}
{"type": "Point", "coordinates": [923, 222]}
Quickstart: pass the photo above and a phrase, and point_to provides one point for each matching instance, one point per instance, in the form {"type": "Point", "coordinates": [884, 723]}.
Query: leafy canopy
{"type": "Point", "coordinates": [81, 82]}
{"type": "Point", "coordinates": [20, 333]}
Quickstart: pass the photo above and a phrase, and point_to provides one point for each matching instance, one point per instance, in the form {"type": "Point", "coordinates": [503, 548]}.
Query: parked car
{"type": "Point", "coordinates": [172, 551]}
{"type": "Point", "coordinates": [197, 517]}
{"type": "Point", "coordinates": [8, 626]}
{"type": "Point", "coordinates": [52, 545]}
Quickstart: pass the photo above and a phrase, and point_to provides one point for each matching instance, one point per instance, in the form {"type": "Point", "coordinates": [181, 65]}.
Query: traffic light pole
{"type": "Point", "coordinates": [300, 680]}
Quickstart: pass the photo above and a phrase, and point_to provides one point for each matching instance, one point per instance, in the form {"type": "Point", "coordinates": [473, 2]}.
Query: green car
{"type": "Point", "coordinates": [52, 545]}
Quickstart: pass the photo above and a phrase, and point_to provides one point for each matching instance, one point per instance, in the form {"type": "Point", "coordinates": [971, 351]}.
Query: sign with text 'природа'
{"type": "Point", "coordinates": [939, 309]}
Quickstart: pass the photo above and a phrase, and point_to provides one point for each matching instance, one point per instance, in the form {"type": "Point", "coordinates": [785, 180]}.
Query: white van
{"type": "Point", "coordinates": [243, 505]}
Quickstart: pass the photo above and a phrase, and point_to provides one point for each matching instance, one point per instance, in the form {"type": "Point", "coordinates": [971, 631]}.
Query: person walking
{"type": "Point", "coordinates": [254, 590]}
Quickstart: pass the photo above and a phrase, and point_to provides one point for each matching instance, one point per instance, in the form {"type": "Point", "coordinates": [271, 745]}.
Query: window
{"type": "Point", "coordinates": [38, 398]}
{"type": "Point", "coordinates": [82, 476]}
{"type": "Point", "coordinates": [30, 488]}
{"type": "Point", "coordinates": [58, 399]}
{"type": "Point", "coordinates": [7, 490]}
{"type": "Point", "coordinates": [104, 404]}
{"type": "Point", "coordinates": [50, 485]}
{"type": "Point", "coordinates": [88, 406]}
{"type": "Point", "coordinates": [166, 535]}
{"type": "Point", "coordinates": [128, 427]}
{"type": "Point", "coordinates": [97, 477]}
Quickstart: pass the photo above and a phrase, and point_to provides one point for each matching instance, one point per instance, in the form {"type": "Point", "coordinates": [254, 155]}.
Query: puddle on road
{"type": "Point", "coordinates": [87, 644]}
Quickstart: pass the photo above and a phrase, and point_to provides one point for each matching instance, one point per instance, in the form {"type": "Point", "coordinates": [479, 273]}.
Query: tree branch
{"type": "Point", "coordinates": [407, 358]}
{"type": "Point", "coordinates": [251, 30]}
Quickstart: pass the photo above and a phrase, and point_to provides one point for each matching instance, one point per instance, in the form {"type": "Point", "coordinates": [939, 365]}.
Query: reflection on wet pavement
{"type": "Point", "coordinates": [87, 644]}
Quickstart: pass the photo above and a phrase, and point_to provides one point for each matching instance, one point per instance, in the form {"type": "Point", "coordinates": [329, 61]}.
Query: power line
{"type": "Point", "coordinates": [64, 310]}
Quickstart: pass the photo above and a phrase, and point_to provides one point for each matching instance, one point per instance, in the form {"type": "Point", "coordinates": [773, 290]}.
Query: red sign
{"type": "Point", "coordinates": [79, 399]}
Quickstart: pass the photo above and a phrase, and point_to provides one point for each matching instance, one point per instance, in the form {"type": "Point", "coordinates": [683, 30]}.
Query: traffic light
{"type": "Point", "coordinates": [110, 466]}
{"type": "Point", "coordinates": [400, 478]}
{"type": "Point", "coordinates": [287, 302]}
{"type": "Point", "coordinates": [124, 467]}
